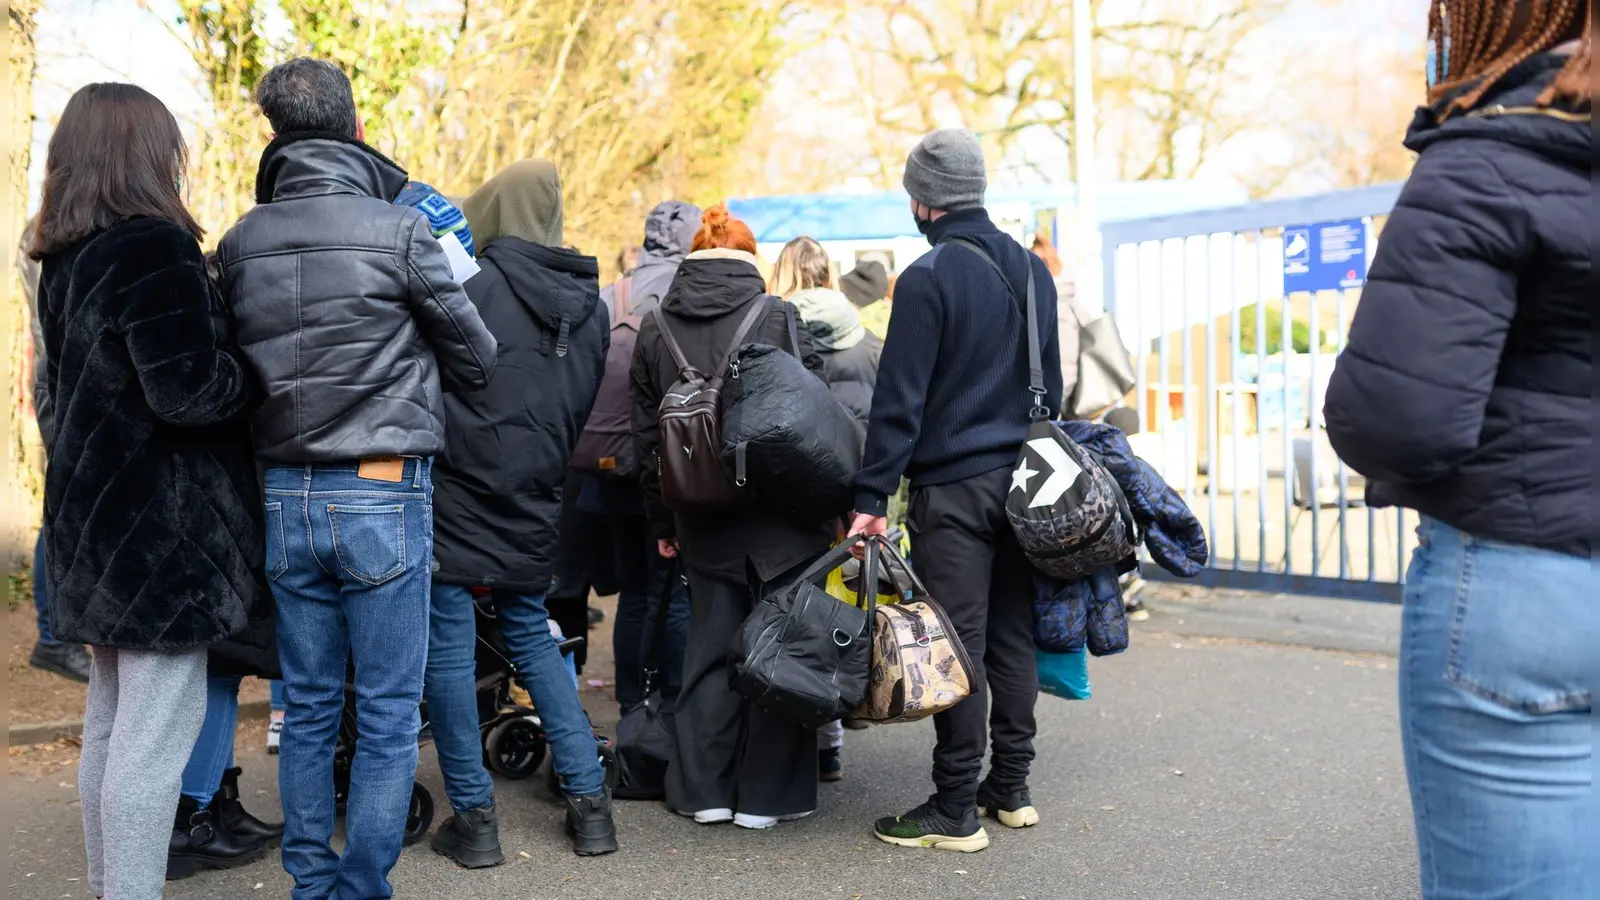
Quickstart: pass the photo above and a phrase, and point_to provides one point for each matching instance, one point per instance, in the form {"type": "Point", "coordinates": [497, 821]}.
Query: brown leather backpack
{"type": "Point", "coordinates": [694, 476]}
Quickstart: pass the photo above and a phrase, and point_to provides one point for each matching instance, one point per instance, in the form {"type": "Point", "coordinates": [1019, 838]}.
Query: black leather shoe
{"type": "Point", "coordinates": [67, 660]}
{"type": "Point", "coordinates": [471, 839]}
{"type": "Point", "coordinates": [589, 823]}
{"type": "Point", "coordinates": [199, 843]}
{"type": "Point", "coordinates": [232, 816]}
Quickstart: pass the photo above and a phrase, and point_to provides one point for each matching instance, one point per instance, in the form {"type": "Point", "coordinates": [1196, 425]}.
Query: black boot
{"type": "Point", "coordinates": [471, 838]}
{"type": "Point", "coordinates": [589, 822]}
{"type": "Point", "coordinates": [67, 660]}
{"type": "Point", "coordinates": [231, 815]}
{"type": "Point", "coordinates": [199, 842]}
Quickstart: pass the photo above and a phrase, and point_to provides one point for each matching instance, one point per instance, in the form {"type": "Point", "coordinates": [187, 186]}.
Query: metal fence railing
{"type": "Point", "coordinates": [1231, 372]}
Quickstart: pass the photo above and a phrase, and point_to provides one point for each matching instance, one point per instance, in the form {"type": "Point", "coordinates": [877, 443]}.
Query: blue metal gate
{"type": "Point", "coordinates": [1231, 373]}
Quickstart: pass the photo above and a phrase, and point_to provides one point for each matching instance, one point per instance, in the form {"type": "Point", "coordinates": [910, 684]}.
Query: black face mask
{"type": "Point", "coordinates": [923, 225]}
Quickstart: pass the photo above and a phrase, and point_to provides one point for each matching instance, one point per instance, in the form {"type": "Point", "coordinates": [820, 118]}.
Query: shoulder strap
{"type": "Point", "coordinates": [655, 659]}
{"type": "Point", "coordinates": [793, 316]}
{"type": "Point", "coordinates": [684, 369]}
{"type": "Point", "coordinates": [758, 311]}
{"type": "Point", "coordinates": [622, 297]}
{"type": "Point", "coordinates": [1031, 313]}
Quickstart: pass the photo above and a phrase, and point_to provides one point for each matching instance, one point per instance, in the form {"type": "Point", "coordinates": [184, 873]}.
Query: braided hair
{"type": "Point", "coordinates": [1476, 42]}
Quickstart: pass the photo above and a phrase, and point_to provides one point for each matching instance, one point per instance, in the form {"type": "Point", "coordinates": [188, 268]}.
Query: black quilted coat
{"type": "Point", "coordinates": [152, 504]}
{"type": "Point", "coordinates": [1466, 391]}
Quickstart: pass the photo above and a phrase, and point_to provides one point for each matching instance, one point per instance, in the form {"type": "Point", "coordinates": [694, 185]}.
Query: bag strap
{"type": "Point", "coordinates": [622, 297]}
{"type": "Point", "coordinates": [793, 317]}
{"type": "Point", "coordinates": [658, 639]}
{"type": "Point", "coordinates": [893, 561]}
{"type": "Point", "coordinates": [1035, 356]}
{"type": "Point", "coordinates": [758, 311]}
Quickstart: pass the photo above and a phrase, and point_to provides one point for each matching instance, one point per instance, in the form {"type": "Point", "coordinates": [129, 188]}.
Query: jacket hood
{"type": "Point", "coordinates": [312, 164]}
{"type": "Point", "coordinates": [829, 317]}
{"type": "Point", "coordinates": [1508, 113]}
{"type": "Point", "coordinates": [522, 201]}
{"type": "Point", "coordinates": [713, 283]}
{"type": "Point", "coordinates": [554, 284]}
{"type": "Point", "coordinates": [669, 231]}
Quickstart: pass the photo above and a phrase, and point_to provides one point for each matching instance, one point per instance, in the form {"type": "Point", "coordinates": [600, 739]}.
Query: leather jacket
{"type": "Point", "coordinates": [346, 307]}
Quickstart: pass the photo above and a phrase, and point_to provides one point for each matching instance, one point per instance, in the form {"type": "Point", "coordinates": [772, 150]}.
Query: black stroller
{"type": "Point", "coordinates": [514, 740]}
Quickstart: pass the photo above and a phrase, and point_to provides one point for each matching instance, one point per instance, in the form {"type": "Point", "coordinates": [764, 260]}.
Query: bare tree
{"type": "Point", "coordinates": [23, 470]}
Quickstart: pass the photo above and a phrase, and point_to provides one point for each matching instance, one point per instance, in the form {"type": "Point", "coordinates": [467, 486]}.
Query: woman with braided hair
{"type": "Point", "coordinates": [1466, 393]}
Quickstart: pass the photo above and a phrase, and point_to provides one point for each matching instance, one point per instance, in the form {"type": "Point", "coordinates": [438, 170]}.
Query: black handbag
{"type": "Point", "coordinates": [1105, 370]}
{"type": "Point", "coordinates": [785, 436]}
{"type": "Point", "coordinates": [804, 654]}
{"type": "Point", "coordinates": [646, 736]}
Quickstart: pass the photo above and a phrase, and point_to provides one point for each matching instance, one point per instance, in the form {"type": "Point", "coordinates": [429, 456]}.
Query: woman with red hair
{"type": "Point", "coordinates": [735, 763]}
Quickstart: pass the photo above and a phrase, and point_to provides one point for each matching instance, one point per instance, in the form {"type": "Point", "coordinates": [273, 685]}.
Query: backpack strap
{"type": "Point", "coordinates": [754, 315]}
{"type": "Point", "coordinates": [622, 297]}
{"type": "Point", "coordinates": [1031, 313]}
{"type": "Point", "coordinates": [793, 317]}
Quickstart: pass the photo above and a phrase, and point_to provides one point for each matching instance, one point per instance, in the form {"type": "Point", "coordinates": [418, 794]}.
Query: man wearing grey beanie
{"type": "Point", "coordinates": [950, 411]}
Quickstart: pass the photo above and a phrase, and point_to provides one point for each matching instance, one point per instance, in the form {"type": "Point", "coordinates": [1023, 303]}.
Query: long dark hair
{"type": "Point", "coordinates": [116, 154]}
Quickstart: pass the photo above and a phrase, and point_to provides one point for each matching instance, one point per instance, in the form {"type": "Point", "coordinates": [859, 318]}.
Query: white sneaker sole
{"type": "Point", "coordinates": [710, 816]}
{"type": "Point", "coordinates": [762, 823]}
{"type": "Point", "coordinates": [1026, 817]}
{"type": "Point", "coordinates": [970, 844]}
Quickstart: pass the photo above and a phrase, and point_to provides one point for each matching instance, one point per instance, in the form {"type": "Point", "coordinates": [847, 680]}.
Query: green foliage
{"type": "Point", "coordinates": [1299, 331]}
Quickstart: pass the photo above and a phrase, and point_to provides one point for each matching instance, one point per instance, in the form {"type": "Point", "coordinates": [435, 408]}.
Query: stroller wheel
{"type": "Point", "coordinates": [515, 748]}
{"type": "Point", "coordinates": [419, 818]}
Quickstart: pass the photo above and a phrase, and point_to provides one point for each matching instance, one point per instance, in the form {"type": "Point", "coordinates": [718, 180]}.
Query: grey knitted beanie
{"type": "Point", "coordinates": [945, 170]}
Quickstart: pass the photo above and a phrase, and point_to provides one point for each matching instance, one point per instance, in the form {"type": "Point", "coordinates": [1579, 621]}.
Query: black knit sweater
{"type": "Point", "coordinates": [952, 397]}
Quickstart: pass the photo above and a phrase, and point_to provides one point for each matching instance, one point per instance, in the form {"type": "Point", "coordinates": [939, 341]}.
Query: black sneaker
{"type": "Point", "coordinates": [829, 766]}
{"type": "Point", "coordinates": [925, 826]}
{"type": "Point", "coordinates": [1014, 809]}
{"type": "Point", "coordinates": [590, 825]}
{"type": "Point", "coordinates": [67, 660]}
{"type": "Point", "coordinates": [471, 839]}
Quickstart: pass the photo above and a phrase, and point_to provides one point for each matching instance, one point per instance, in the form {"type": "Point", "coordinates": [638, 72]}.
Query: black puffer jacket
{"type": "Point", "coordinates": [708, 298]}
{"type": "Point", "coordinates": [152, 508]}
{"type": "Point", "coordinates": [347, 308]}
{"type": "Point", "coordinates": [1466, 391]}
{"type": "Point", "coordinates": [498, 488]}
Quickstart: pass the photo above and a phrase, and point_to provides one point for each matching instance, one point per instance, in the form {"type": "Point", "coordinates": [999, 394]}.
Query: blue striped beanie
{"type": "Point", "coordinates": [443, 217]}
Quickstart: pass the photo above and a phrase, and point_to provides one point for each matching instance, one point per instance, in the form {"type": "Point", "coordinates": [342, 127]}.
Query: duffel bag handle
{"type": "Point", "coordinates": [866, 593]}
{"type": "Point", "coordinates": [897, 565]}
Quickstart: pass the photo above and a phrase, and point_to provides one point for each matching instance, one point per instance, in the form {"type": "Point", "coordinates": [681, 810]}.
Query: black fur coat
{"type": "Point", "coordinates": [152, 503]}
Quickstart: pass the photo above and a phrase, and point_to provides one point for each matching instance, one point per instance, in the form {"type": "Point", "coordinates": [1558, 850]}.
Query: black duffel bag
{"type": "Point", "coordinates": [785, 437]}
{"type": "Point", "coordinates": [646, 737]}
{"type": "Point", "coordinates": [804, 654]}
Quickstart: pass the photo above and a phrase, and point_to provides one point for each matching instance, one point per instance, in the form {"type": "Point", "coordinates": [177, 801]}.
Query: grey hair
{"type": "Point", "coordinates": [307, 94]}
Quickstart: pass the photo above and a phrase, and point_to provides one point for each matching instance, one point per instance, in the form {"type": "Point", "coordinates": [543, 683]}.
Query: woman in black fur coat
{"type": "Point", "coordinates": [152, 512]}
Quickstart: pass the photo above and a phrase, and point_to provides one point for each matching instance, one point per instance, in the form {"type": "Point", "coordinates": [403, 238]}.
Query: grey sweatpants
{"type": "Point", "coordinates": [144, 714]}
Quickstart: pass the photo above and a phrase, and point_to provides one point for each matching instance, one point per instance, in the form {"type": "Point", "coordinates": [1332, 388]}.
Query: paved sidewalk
{"type": "Point", "coordinates": [1205, 767]}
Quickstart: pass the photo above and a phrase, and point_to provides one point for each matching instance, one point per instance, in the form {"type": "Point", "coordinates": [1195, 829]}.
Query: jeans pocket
{"type": "Point", "coordinates": [369, 541]}
{"type": "Point", "coordinates": [1517, 638]}
{"type": "Point", "coordinates": [277, 552]}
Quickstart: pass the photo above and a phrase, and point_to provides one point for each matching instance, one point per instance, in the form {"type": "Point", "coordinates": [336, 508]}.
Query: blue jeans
{"type": "Point", "coordinates": [349, 560]}
{"type": "Point", "coordinates": [275, 696]}
{"type": "Point", "coordinates": [213, 750]}
{"type": "Point", "coordinates": [41, 593]}
{"type": "Point", "coordinates": [1498, 648]}
{"type": "Point", "coordinates": [452, 694]}
{"type": "Point", "coordinates": [525, 626]}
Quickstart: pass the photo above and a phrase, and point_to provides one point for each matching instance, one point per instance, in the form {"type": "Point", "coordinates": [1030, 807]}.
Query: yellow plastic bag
{"type": "Point", "coordinates": [841, 583]}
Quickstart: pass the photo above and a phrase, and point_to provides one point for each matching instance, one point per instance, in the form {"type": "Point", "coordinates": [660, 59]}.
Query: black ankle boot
{"type": "Point", "coordinates": [471, 839]}
{"type": "Point", "coordinates": [199, 842]}
{"type": "Point", "coordinates": [231, 815]}
{"type": "Point", "coordinates": [589, 822]}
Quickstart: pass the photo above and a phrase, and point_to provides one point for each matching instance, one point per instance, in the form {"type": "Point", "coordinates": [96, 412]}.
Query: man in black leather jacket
{"type": "Point", "coordinates": [349, 313]}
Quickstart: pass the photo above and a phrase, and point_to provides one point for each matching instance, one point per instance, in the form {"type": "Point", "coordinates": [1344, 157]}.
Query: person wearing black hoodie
{"type": "Point", "coordinates": [734, 762]}
{"type": "Point", "coordinates": [1466, 392]}
{"type": "Point", "coordinates": [498, 493]}
{"type": "Point", "coordinates": [950, 411]}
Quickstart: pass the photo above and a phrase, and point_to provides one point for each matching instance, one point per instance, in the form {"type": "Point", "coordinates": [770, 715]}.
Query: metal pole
{"type": "Point", "coordinates": [1083, 115]}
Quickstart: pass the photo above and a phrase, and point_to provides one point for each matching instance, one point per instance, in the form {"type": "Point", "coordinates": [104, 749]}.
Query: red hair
{"type": "Point", "coordinates": [721, 231]}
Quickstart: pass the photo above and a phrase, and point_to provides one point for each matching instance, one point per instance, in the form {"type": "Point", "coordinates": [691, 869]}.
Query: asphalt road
{"type": "Point", "coordinates": [1212, 766]}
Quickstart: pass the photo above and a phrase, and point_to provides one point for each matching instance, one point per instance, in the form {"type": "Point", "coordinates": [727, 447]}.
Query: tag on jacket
{"type": "Point", "coordinates": [382, 468]}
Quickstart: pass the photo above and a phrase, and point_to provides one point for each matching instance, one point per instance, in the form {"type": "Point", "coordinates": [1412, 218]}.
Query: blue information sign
{"type": "Point", "coordinates": [1325, 256]}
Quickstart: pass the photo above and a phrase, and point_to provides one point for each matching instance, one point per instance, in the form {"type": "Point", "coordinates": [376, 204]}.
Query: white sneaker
{"type": "Point", "coordinates": [712, 816]}
{"type": "Point", "coordinates": [762, 823]}
{"type": "Point", "coordinates": [274, 735]}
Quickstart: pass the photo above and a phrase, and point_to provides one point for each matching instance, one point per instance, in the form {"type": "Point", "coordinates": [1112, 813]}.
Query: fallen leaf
{"type": "Point", "coordinates": [1108, 809]}
{"type": "Point", "coordinates": [524, 854]}
{"type": "Point", "coordinates": [961, 871]}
